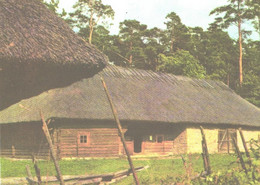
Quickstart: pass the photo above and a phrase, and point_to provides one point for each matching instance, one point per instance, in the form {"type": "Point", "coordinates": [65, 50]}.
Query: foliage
{"type": "Point", "coordinates": [177, 33]}
{"type": "Point", "coordinates": [178, 49]}
{"type": "Point", "coordinates": [216, 52]}
{"type": "Point", "coordinates": [53, 5]}
{"type": "Point", "coordinates": [181, 63]}
{"type": "Point", "coordinates": [88, 13]}
{"type": "Point", "coordinates": [254, 9]}
{"type": "Point", "coordinates": [233, 12]}
{"type": "Point", "coordinates": [131, 32]}
{"type": "Point", "coordinates": [236, 175]}
{"type": "Point", "coordinates": [251, 86]}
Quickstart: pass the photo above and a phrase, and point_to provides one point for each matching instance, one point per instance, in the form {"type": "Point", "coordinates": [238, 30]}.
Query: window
{"type": "Point", "coordinates": [83, 138]}
{"type": "Point", "coordinates": [149, 138]}
{"type": "Point", "coordinates": [154, 138]}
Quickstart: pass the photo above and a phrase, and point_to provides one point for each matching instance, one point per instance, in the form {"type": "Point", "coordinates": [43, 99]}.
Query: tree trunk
{"type": "Point", "coordinates": [90, 35]}
{"type": "Point", "coordinates": [172, 39]}
{"type": "Point", "coordinates": [228, 79]}
{"type": "Point", "coordinates": [131, 56]}
{"type": "Point", "coordinates": [240, 47]}
{"type": "Point", "coordinates": [90, 29]}
{"type": "Point", "coordinates": [91, 24]}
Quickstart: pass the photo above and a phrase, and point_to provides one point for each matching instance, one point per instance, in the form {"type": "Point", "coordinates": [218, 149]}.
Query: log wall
{"type": "Point", "coordinates": [174, 140]}
{"type": "Point", "coordinates": [102, 142]}
{"type": "Point", "coordinates": [23, 140]}
{"type": "Point", "coordinates": [157, 148]}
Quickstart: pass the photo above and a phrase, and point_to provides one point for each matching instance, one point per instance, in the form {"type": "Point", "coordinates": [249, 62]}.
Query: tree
{"type": "Point", "coordinates": [254, 8]}
{"type": "Point", "coordinates": [216, 52]}
{"type": "Point", "coordinates": [177, 33]}
{"type": "Point", "coordinates": [181, 63]}
{"type": "Point", "coordinates": [153, 40]}
{"type": "Point", "coordinates": [131, 32]}
{"type": "Point", "coordinates": [234, 13]}
{"type": "Point", "coordinates": [53, 5]}
{"type": "Point", "coordinates": [251, 86]}
{"type": "Point", "coordinates": [88, 13]}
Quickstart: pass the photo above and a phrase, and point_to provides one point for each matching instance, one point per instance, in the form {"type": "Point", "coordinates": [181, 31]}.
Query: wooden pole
{"type": "Point", "coordinates": [29, 174]}
{"type": "Point", "coordinates": [239, 155]}
{"type": "Point", "coordinates": [245, 147]}
{"type": "Point", "coordinates": [37, 170]}
{"type": "Point", "coordinates": [205, 151]}
{"type": "Point", "coordinates": [228, 141]}
{"type": "Point", "coordinates": [186, 168]}
{"type": "Point", "coordinates": [119, 127]}
{"type": "Point", "coordinates": [53, 154]}
{"type": "Point", "coordinates": [204, 158]}
{"type": "Point", "coordinates": [13, 151]}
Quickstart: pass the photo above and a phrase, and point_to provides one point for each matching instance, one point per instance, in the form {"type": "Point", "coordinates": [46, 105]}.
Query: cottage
{"type": "Point", "coordinates": [39, 51]}
{"type": "Point", "coordinates": [160, 114]}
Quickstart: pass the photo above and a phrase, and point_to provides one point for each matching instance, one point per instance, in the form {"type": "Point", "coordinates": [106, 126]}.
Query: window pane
{"type": "Point", "coordinates": [83, 139]}
{"type": "Point", "coordinates": [149, 138]}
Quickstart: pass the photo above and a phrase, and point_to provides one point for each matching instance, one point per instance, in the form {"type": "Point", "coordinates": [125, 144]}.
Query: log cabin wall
{"type": "Point", "coordinates": [174, 142]}
{"type": "Point", "coordinates": [86, 139]}
{"type": "Point", "coordinates": [165, 139]}
{"type": "Point", "coordinates": [21, 140]}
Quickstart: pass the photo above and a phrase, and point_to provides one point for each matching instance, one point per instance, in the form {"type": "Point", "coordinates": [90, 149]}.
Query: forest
{"type": "Point", "coordinates": [178, 49]}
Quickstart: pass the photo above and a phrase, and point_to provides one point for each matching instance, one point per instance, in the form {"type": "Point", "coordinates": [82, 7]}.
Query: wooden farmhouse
{"type": "Point", "coordinates": [45, 67]}
{"type": "Point", "coordinates": [160, 114]}
{"type": "Point", "coordinates": [39, 51]}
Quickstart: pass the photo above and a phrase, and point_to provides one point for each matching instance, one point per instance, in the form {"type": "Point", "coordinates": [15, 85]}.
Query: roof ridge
{"type": "Point", "coordinates": [141, 74]}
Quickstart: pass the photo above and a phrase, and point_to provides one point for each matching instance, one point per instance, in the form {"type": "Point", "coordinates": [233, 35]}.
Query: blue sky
{"type": "Point", "coordinates": [153, 12]}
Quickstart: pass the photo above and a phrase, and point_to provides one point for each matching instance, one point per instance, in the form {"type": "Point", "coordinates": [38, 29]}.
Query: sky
{"type": "Point", "coordinates": [153, 12]}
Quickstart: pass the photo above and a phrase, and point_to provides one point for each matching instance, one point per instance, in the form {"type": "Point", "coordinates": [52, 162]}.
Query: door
{"type": "Point", "coordinates": [138, 144]}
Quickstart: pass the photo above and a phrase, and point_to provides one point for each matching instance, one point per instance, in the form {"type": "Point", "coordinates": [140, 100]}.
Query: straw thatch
{"type": "Point", "coordinates": [30, 32]}
{"type": "Point", "coordinates": [38, 52]}
{"type": "Point", "coordinates": [139, 96]}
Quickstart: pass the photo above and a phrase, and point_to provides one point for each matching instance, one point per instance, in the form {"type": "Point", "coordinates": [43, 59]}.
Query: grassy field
{"type": "Point", "coordinates": [160, 171]}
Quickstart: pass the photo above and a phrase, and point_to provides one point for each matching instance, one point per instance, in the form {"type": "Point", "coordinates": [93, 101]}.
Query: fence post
{"type": "Point", "coordinates": [205, 152]}
{"type": "Point", "coordinates": [37, 170]}
{"type": "Point", "coordinates": [53, 155]}
{"type": "Point", "coordinates": [119, 127]}
{"type": "Point", "coordinates": [245, 147]}
{"type": "Point", "coordinates": [239, 155]}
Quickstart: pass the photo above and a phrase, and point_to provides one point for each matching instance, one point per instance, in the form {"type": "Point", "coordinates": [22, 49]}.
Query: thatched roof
{"type": "Point", "coordinates": [140, 96]}
{"type": "Point", "coordinates": [30, 32]}
{"type": "Point", "coordinates": [39, 51]}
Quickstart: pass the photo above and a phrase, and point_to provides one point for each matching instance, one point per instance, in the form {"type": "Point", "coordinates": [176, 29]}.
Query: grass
{"type": "Point", "coordinates": [159, 170]}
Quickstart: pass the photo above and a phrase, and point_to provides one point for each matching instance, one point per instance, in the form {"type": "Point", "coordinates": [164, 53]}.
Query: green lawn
{"type": "Point", "coordinates": [160, 170]}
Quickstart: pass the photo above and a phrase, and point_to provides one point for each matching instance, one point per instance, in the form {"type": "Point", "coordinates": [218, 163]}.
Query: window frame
{"type": "Point", "coordinates": [87, 134]}
{"type": "Point", "coordinates": [154, 138]}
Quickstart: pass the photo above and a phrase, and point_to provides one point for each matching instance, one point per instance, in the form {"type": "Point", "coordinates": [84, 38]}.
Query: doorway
{"type": "Point", "coordinates": [138, 144]}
